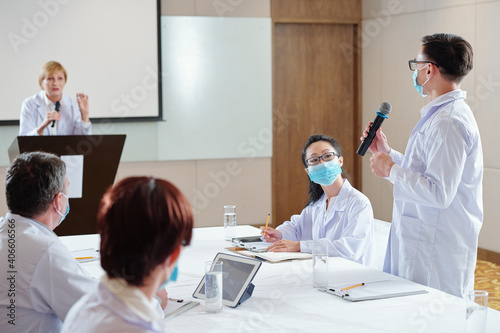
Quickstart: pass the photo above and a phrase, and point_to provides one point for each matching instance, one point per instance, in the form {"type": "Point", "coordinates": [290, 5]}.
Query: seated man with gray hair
{"type": "Point", "coordinates": [40, 279]}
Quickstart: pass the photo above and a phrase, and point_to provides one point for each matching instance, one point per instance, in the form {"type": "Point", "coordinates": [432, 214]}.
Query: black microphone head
{"type": "Point", "coordinates": [385, 108]}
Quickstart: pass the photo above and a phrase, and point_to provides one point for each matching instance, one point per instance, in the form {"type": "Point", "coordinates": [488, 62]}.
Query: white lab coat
{"type": "Point", "coordinates": [48, 280]}
{"type": "Point", "coordinates": [102, 310]}
{"type": "Point", "coordinates": [33, 113]}
{"type": "Point", "coordinates": [438, 204]}
{"type": "Point", "coordinates": [347, 225]}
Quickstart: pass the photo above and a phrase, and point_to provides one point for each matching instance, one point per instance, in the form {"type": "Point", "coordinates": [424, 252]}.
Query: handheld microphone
{"type": "Point", "coordinates": [57, 105]}
{"type": "Point", "coordinates": [383, 110]}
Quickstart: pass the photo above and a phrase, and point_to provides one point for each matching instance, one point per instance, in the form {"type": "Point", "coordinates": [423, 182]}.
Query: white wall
{"type": "Point", "coordinates": [391, 36]}
{"type": "Point", "coordinates": [209, 183]}
{"type": "Point", "coordinates": [392, 30]}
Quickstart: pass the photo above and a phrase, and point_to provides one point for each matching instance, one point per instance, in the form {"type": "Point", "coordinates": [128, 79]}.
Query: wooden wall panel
{"type": "Point", "coordinates": [338, 10]}
{"type": "Point", "coordinates": [314, 92]}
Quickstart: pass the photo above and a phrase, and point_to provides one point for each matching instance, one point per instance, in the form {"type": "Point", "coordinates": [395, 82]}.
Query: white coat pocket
{"type": "Point", "coordinates": [409, 234]}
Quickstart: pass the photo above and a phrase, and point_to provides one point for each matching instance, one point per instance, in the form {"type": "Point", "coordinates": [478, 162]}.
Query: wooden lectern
{"type": "Point", "coordinates": [101, 156]}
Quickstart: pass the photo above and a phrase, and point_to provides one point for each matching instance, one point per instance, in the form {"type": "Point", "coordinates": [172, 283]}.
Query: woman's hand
{"type": "Point", "coordinates": [270, 235]}
{"type": "Point", "coordinates": [83, 104]}
{"type": "Point", "coordinates": [284, 245]}
{"type": "Point", "coordinates": [163, 296]}
{"type": "Point", "coordinates": [50, 116]}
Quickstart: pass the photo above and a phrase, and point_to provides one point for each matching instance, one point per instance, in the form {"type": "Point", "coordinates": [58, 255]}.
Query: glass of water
{"type": "Point", "coordinates": [320, 263]}
{"type": "Point", "coordinates": [477, 307]}
{"type": "Point", "coordinates": [229, 221]}
{"type": "Point", "coordinates": [213, 286]}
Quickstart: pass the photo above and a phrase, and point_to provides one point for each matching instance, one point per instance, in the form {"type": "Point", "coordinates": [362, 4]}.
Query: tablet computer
{"type": "Point", "coordinates": [238, 273]}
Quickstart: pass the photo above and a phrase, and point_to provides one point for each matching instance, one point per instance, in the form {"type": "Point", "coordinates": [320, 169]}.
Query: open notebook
{"type": "Point", "coordinates": [377, 290]}
{"type": "Point", "coordinates": [272, 257]}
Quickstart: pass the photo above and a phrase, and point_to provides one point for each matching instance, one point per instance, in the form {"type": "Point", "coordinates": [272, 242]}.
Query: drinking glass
{"type": "Point", "coordinates": [213, 286]}
{"type": "Point", "coordinates": [320, 263]}
{"type": "Point", "coordinates": [477, 307]}
{"type": "Point", "coordinates": [229, 221]}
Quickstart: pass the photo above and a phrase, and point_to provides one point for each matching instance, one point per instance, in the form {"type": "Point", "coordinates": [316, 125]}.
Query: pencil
{"type": "Point", "coordinates": [267, 223]}
{"type": "Point", "coordinates": [81, 258]}
{"type": "Point", "coordinates": [356, 285]}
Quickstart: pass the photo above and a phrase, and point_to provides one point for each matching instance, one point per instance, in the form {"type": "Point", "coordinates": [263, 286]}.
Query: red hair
{"type": "Point", "coordinates": [141, 220]}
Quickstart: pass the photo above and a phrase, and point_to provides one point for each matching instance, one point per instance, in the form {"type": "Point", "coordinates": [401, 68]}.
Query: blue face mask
{"type": "Point", "coordinates": [324, 173]}
{"type": "Point", "coordinates": [419, 88]}
{"type": "Point", "coordinates": [67, 210]}
{"type": "Point", "coordinates": [173, 278]}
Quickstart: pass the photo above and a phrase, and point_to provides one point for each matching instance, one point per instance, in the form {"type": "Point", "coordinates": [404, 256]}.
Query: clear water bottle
{"type": "Point", "coordinates": [229, 221]}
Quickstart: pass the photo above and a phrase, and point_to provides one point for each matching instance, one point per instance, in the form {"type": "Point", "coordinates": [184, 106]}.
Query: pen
{"type": "Point", "coordinates": [176, 300]}
{"type": "Point", "coordinates": [267, 223]}
{"type": "Point", "coordinates": [356, 285]}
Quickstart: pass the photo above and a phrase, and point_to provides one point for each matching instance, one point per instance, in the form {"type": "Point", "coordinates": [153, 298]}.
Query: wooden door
{"type": "Point", "coordinates": [315, 91]}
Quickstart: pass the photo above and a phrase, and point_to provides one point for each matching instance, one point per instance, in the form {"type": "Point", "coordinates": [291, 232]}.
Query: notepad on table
{"type": "Point", "coordinates": [86, 255]}
{"type": "Point", "coordinates": [255, 246]}
{"type": "Point", "coordinates": [283, 256]}
{"type": "Point", "coordinates": [377, 290]}
{"type": "Point", "coordinates": [174, 309]}
{"type": "Point", "coordinates": [272, 257]}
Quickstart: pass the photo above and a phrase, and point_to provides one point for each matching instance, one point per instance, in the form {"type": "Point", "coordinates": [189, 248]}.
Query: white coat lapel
{"type": "Point", "coordinates": [41, 108]}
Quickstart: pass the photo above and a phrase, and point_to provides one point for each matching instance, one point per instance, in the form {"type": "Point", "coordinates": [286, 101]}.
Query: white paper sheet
{"type": "Point", "coordinates": [74, 172]}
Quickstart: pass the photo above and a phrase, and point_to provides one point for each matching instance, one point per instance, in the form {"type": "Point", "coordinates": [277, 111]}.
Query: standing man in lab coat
{"type": "Point", "coordinates": [438, 204]}
{"type": "Point", "coordinates": [39, 279]}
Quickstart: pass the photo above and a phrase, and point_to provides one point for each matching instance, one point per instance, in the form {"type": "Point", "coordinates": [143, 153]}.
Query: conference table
{"type": "Point", "coordinates": [284, 299]}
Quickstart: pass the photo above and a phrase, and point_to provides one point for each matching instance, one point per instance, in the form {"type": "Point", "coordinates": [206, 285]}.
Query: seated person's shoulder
{"type": "Point", "coordinates": [357, 194]}
{"type": "Point", "coordinates": [35, 242]}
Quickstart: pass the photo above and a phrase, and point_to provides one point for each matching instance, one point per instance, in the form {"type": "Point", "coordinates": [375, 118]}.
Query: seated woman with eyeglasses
{"type": "Point", "coordinates": [336, 211]}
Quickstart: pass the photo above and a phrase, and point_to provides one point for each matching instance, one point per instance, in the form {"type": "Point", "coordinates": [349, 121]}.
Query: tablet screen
{"type": "Point", "coordinates": [238, 272]}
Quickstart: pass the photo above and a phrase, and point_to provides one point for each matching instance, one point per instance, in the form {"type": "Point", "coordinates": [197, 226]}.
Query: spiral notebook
{"type": "Point", "coordinates": [377, 290]}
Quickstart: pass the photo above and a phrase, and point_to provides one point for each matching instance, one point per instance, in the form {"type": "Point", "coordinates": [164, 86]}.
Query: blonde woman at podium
{"type": "Point", "coordinates": [51, 112]}
{"type": "Point", "coordinates": [336, 211]}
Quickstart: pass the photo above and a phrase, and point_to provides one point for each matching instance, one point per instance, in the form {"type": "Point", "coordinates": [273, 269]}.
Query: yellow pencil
{"type": "Point", "coordinates": [356, 285]}
{"type": "Point", "coordinates": [267, 223]}
{"type": "Point", "coordinates": [81, 258]}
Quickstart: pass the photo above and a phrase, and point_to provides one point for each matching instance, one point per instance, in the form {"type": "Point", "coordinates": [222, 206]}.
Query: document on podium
{"type": "Point", "coordinates": [376, 290]}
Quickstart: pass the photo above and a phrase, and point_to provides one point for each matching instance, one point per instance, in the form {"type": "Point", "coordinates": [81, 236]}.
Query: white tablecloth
{"type": "Point", "coordinates": [284, 299]}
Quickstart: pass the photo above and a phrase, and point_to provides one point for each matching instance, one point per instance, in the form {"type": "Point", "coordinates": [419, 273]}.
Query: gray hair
{"type": "Point", "coordinates": [32, 182]}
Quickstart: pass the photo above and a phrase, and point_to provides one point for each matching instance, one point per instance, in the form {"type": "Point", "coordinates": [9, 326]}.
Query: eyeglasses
{"type": "Point", "coordinates": [326, 157]}
{"type": "Point", "coordinates": [413, 64]}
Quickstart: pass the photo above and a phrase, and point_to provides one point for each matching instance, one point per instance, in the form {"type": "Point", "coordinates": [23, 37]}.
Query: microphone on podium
{"type": "Point", "coordinates": [57, 105]}
{"type": "Point", "coordinates": [383, 110]}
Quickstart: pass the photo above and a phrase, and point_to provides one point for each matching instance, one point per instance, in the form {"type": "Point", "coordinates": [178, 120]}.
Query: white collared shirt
{"type": "Point", "coordinates": [50, 107]}
{"type": "Point", "coordinates": [47, 279]}
{"type": "Point", "coordinates": [34, 109]}
{"type": "Point", "coordinates": [114, 306]}
{"type": "Point", "coordinates": [438, 204]}
{"type": "Point", "coordinates": [347, 224]}
{"type": "Point", "coordinates": [133, 298]}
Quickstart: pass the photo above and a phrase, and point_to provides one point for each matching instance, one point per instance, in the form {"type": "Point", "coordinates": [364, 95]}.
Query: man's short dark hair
{"type": "Point", "coordinates": [32, 182]}
{"type": "Point", "coordinates": [142, 220]}
{"type": "Point", "coordinates": [452, 53]}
